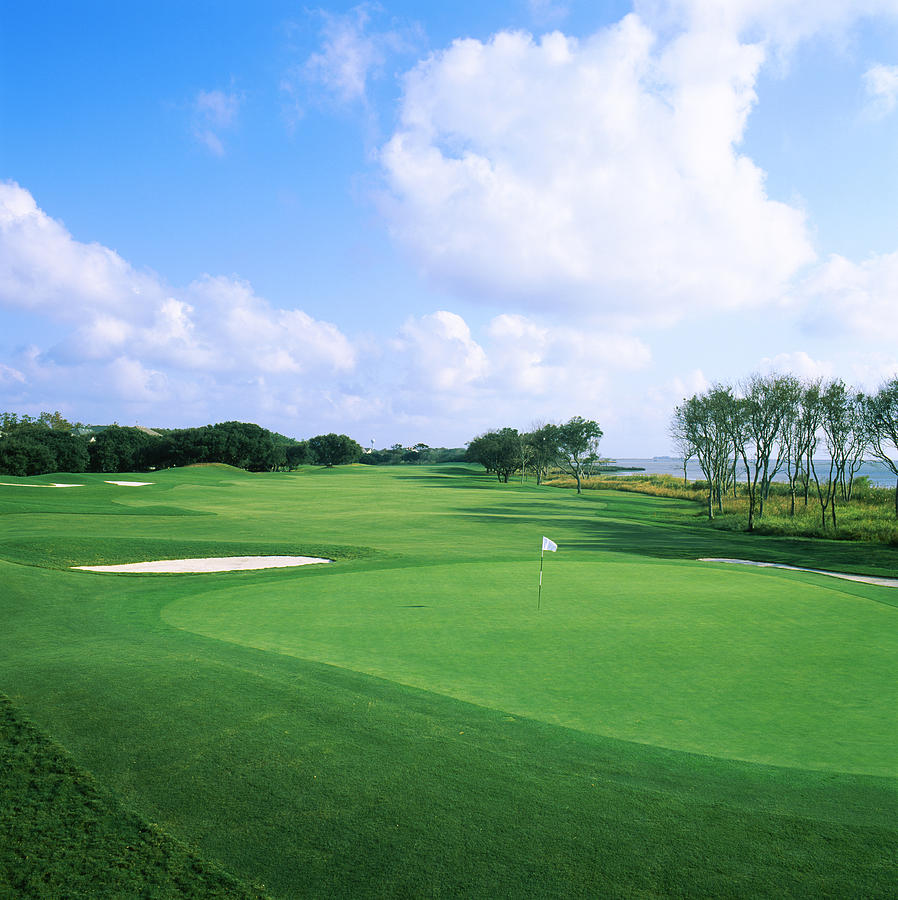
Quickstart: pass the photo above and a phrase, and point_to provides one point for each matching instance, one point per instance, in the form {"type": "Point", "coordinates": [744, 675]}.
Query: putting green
{"type": "Point", "coordinates": [772, 667]}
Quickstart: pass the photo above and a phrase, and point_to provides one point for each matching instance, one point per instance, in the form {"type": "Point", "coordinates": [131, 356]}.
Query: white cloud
{"type": "Point", "coordinates": [134, 344]}
{"type": "Point", "coordinates": [131, 381]}
{"type": "Point", "coordinates": [102, 337]}
{"type": "Point", "coordinates": [881, 84]}
{"type": "Point", "coordinates": [131, 331]}
{"type": "Point", "coordinates": [348, 55]}
{"type": "Point", "coordinates": [865, 370]}
{"type": "Point", "coordinates": [440, 352]}
{"type": "Point", "coordinates": [352, 54]}
{"type": "Point", "coordinates": [781, 23]}
{"type": "Point", "coordinates": [544, 12]}
{"type": "Point", "coordinates": [43, 268]}
{"type": "Point", "coordinates": [797, 363]}
{"type": "Point", "coordinates": [841, 297]}
{"type": "Point", "coordinates": [521, 370]}
{"type": "Point", "coordinates": [253, 334]}
{"type": "Point", "coordinates": [218, 108]}
{"type": "Point", "coordinates": [543, 360]}
{"type": "Point", "coordinates": [10, 376]}
{"type": "Point", "coordinates": [684, 386]}
{"type": "Point", "coordinates": [598, 175]}
{"type": "Point", "coordinates": [214, 112]}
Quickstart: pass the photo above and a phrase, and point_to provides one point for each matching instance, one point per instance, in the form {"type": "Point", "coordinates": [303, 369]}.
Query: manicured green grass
{"type": "Point", "coordinates": [770, 670]}
{"type": "Point", "coordinates": [404, 722]}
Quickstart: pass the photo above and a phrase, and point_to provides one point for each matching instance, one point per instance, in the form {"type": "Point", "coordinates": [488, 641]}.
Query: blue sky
{"type": "Point", "coordinates": [413, 222]}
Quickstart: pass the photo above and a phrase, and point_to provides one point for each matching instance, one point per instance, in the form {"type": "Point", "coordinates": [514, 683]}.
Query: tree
{"type": "Point", "coordinates": [543, 443]}
{"type": "Point", "coordinates": [497, 451]}
{"type": "Point", "coordinates": [760, 416]}
{"type": "Point", "coordinates": [61, 451]}
{"type": "Point", "coordinates": [798, 436]}
{"type": "Point", "coordinates": [578, 441]}
{"type": "Point", "coordinates": [297, 453]}
{"type": "Point", "coordinates": [54, 421]}
{"type": "Point", "coordinates": [21, 455]}
{"type": "Point", "coordinates": [682, 442]}
{"type": "Point", "coordinates": [241, 444]}
{"type": "Point", "coordinates": [334, 449]}
{"type": "Point", "coordinates": [120, 449]}
{"type": "Point", "coordinates": [707, 423]}
{"type": "Point", "coordinates": [881, 418]}
{"type": "Point", "coordinates": [525, 454]}
{"type": "Point", "coordinates": [837, 423]}
{"type": "Point", "coordinates": [857, 442]}
{"type": "Point", "coordinates": [246, 446]}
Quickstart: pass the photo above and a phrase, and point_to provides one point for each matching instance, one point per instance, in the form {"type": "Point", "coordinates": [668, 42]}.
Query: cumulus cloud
{"type": "Point", "coordinates": [544, 360]}
{"type": "Point", "coordinates": [599, 175]}
{"type": "Point", "coordinates": [253, 333]}
{"type": "Point", "coordinates": [134, 343]}
{"type": "Point", "coordinates": [440, 352]}
{"type": "Point", "coordinates": [43, 268]}
{"type": "Point", "coordinates": [881, 84]}
{"type": "Point", "coordinates": [138, 335]}
{"type": "Point", "coordinates": [131, 381]}
{"type": "Point", "coordinates": [518, 371]}
{"type": "Point", "coordinates": [844, 297]}
{"type": "Point", "coordinates": [214, 112]}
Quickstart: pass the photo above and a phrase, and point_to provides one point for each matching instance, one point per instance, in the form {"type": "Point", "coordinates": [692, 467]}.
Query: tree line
{"type": "Point", "coordinates": [573, 447]}
{"type": "Point", "coordinates": [815, 432]}
{"type": "Point", "coordinates": [49, 443]}
{"type": "Point", "coordinates": [420, 453]}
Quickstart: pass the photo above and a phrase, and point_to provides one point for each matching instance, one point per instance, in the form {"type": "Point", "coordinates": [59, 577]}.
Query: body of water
{"type": "Point", "coordinates": [877, 472]}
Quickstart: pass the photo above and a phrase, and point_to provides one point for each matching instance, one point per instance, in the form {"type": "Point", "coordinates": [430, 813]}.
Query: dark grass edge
{"type": "Point", "coordinates": [64, 834]}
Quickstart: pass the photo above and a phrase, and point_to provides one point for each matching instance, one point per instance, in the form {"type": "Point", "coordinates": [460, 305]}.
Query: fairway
{"type": "Point", "coordinates": [375, 726]}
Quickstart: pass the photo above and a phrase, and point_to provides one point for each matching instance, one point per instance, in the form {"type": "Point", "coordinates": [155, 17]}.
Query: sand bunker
{"type": "Point", "coordinates": [211, 564]}
{"type": "Point", "coordinates": [131, 483]}
{"type": "Point", "coordinates": [17, 484]}
{"type": "Point", "coordinates": [867, 579]}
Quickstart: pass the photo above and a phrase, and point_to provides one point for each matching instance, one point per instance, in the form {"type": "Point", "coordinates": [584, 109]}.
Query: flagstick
{"type": "Point", "coordinates": [539, 596]}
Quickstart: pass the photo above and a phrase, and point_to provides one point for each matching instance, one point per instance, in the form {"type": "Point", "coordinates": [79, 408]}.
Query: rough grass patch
{"type": "Point", "coordinates": [63, 835]}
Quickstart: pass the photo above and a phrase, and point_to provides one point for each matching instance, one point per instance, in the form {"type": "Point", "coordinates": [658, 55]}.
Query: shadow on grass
{"type": "Point", "coordinates": [656, 527]}
{"type": "Point", "coordinates": [673, 529]}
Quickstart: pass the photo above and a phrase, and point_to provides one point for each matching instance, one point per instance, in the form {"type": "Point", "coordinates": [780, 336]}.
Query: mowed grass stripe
{"type": "Point", "coordinates": [317, 780]}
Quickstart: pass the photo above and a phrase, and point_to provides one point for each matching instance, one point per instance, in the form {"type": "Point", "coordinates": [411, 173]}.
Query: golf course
{"type": "Point", "coordinates": [413, 718]}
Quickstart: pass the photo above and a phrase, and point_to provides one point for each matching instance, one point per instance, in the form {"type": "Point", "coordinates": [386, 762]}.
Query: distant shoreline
{"type": "Point", "coordinates": [876, 471]}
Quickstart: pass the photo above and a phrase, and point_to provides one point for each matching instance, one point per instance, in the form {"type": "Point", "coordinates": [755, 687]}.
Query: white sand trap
{"type": "Point", "coordinates": [16, 484]}
{"type": "Point", "coordinates": [210, 564]}
{"type": "Point", "coordinates": [131, 483]}
{"type": "Point", "coordinates": [867, 579]}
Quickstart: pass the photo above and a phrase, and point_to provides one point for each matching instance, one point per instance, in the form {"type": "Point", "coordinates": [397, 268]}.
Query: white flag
{"type": "Point", "coordinates": [549, 545]}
